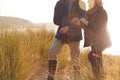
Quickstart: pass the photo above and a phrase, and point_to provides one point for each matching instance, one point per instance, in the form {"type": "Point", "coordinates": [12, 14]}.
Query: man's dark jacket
{"type": "Point", "coordinates": [60, 12]}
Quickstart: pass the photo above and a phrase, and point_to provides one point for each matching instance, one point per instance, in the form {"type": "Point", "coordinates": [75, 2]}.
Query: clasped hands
{"type": "Point", "coordinates": [76, 21]}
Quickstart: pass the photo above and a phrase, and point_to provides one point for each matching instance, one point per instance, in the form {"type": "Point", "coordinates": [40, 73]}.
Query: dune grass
{"type": "Point", "coordinates": [21, 53]}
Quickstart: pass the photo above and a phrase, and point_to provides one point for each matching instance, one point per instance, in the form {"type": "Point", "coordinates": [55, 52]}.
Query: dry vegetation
{"type": "Point", "coordinates": [23, 56]}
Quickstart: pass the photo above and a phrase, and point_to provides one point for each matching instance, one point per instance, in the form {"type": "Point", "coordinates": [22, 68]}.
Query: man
{"type": "Point", "coordinates": [67, 15]}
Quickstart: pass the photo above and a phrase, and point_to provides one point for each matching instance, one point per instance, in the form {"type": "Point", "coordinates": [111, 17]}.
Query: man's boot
{"type": "Point", "coordinates": [52, 69]}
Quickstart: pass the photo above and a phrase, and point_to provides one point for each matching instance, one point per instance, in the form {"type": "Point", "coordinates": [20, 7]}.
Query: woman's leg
{"type": "Point", "coordinates": [95, 58]}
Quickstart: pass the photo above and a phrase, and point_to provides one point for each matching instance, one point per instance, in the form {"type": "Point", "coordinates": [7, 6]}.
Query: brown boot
{"type": "Point", "coordinates": [52, 69]}
{"type": "Point", "coordinates": [96, 61]}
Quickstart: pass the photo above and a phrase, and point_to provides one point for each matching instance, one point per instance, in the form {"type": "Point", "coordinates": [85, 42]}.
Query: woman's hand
{"type": "Point", "coordinates": [83, 20]}
{"type": "Point", "coordinates": [76, 21]}
{"type": "Point", "coordinates": [64, 30]}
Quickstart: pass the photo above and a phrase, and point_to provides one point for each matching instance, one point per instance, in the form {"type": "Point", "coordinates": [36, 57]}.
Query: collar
{"type": "Point", "coordinates": [94, 10]}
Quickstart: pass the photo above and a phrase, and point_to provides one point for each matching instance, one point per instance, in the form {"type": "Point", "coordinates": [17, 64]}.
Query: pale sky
{"type": "Point", "coordinates": [33, 10]}
{"type": "Point", "coordinates": [41, 11]}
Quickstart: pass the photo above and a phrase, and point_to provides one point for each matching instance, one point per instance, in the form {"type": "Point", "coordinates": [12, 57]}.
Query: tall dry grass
{"type": "Point", "coordinates": [23, 56]}
{"type": "Point", "coordinates": [22, 52]}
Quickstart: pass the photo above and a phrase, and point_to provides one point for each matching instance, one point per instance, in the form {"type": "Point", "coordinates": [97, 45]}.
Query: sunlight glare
{"type": "Point", "coordinates": [113, 22]}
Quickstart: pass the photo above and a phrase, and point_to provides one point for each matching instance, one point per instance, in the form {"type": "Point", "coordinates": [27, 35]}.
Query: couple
{"type": "Point", "coordinates": [71, 18]}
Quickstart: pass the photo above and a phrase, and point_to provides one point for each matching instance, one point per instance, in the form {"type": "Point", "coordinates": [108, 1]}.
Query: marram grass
{"type": "Point", "coordinates": [24, 56]}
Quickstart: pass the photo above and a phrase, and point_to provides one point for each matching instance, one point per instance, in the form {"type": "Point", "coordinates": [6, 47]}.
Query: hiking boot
{"type": "Point", "coordinates": [52, 69]}
{"type": "Point", "coordinates": [50, 78]}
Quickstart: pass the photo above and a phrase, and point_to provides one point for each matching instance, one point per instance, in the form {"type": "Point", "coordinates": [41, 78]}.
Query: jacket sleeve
{"type": "Point", "coordinates": [100, 21]}
{"type": "Point", "coordinates": [58, 13]}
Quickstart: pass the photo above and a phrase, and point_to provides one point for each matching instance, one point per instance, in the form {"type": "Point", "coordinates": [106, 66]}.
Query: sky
{"type": "Point", "coordinates": [112, 8]}
{"type": "Point", "coordinates": [33, 10]}
{"type": "Point", "coordinates": [41, 11]}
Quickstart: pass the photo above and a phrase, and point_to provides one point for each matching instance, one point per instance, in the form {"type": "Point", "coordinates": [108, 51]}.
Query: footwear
{"type": "Point", "coordinates": [52, 69]}
{"type": "Point", "coordinates": [50, 78]}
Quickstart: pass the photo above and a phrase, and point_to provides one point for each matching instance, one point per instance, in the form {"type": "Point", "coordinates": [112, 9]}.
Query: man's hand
{"type": "Point", "coordinates": [64, 30]}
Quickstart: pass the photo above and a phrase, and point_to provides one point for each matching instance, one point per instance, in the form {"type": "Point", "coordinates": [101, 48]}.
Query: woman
{"type": "Point", "coordinates": [96, 33]}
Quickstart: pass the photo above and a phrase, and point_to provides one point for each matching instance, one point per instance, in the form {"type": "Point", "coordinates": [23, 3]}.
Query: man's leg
{"type": "Point", "coordinates": [54, 51]}
{"type": "Point", "coordinates": [75, 51]}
